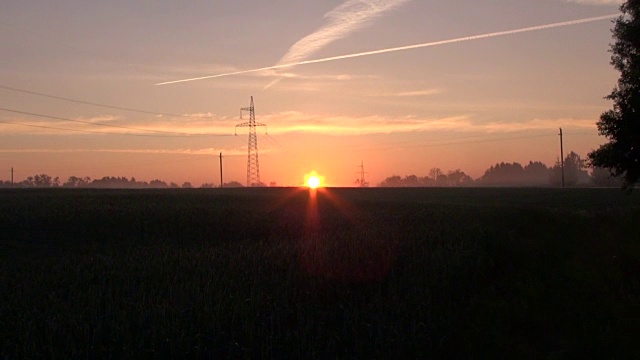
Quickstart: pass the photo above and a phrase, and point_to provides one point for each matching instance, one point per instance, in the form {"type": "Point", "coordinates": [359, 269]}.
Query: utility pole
{"type": "Point", "coordinates": [253, 166]}
{"type": "Point", "coordinates": [11, 176]}
{"type": "Point", "coordinates": [221, 183]}
{"type": "Point", "coordinates": [562, 156]}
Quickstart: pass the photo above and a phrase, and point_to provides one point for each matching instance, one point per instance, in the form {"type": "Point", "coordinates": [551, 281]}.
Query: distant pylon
{"type": "Point", "coordinates": [361, 181]}
{"type": "Point", "coordinates": [253, 164]}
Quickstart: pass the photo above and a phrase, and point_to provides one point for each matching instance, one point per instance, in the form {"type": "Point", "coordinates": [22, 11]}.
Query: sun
{"type": "Point", "coordinates": [313, 180]}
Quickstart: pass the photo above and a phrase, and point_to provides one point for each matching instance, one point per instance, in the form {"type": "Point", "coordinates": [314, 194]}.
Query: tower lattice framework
{"type": "Point", "coordinates": [253, 163]}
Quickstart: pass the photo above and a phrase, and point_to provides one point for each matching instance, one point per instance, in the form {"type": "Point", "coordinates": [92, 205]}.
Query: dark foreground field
{"type": "Point", "coordinates": [349, 273]}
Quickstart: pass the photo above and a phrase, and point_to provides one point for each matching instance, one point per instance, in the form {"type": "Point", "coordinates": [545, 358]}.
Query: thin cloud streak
{"type": "Point", "coordinates": [427, 92]}
{"type": "Point", "coordinates": [199, 126]}
{"type": "Point", "coordinates": [294, 122]}
{"type": "Point", "coordinates": [301, 123]}
{"type": "Point", "coordinates": [539, 124]}
{"type": "Point", "coordinates": [403, 48]}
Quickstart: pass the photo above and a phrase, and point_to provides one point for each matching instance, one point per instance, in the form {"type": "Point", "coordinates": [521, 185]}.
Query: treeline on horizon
{"type": "Point", "coordinates": [534, 174]}
{"type": "Point", "coordinates": [107, 182]}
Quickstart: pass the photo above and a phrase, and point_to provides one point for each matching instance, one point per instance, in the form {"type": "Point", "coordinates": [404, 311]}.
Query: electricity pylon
{"type": "Point", "coordinates": [361, 180]}
{"type": "Point", "coordinates": [253, 165]}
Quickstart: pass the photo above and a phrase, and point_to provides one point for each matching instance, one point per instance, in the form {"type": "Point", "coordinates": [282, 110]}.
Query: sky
{"type": "Point", "coordinates": [71, 72]}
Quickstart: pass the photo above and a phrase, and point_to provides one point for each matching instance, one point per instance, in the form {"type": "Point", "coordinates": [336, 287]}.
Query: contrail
{"type": "Point", "coordinates": [343, 20]}
{"type": "Point", "coordinates": [402, 48]}
{"type": "Point", "coordinates": [348, 17]}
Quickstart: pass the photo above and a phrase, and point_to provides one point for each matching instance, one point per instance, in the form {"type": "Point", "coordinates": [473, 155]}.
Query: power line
{"type": "Point", "coordinates": [89, 122]}
{"type": "Point", "coordinates": [488, 140]}
{"type": "Point", "coordinates": [168, 133]}
{"type": "Point", "coordinates": [273, 141]}
{"type": "Point", "coordinates": [135, 164]}
{"type": "Point", "coordinates": [78, 130]}
{"type": "Point", "coordinates": [387, 147]}
{"type": "Point", "coordinates": [138, 164]}
{"type": "Point", "coordinates": [581, 134]}
{"type": "Point", "coordinates": [97, 104]}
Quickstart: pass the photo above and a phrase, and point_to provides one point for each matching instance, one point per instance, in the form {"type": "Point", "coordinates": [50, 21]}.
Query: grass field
{"type": "Point", "coordinates": [345, 273]}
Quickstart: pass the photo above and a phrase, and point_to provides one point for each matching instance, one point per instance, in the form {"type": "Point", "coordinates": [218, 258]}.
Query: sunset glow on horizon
{"type": "Point", "coordinates": [80, 98]}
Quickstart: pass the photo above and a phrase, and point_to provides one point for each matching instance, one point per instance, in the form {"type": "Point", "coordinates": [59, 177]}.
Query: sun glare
{"type": "Point", "coordinates": [313, 180]}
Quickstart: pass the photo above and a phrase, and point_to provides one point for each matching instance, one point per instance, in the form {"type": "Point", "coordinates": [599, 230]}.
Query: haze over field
{"type": "Point", "coordinates": [470, 95]}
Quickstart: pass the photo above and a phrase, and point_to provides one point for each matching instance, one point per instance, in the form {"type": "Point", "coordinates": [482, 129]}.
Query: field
{"type": "Point", "coordinates": [338, 273]}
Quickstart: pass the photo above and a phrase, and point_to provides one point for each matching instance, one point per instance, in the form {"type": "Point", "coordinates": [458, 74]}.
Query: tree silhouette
{"type": "Point", "coordinates": [574, 172]}
{"type": "Point", "coordinates": [233, 184]}
{"type": "Point", "coordinates": [157, 184]}
{"type": "Point", "coordinates": [411, 181]}
{"type": "Point", "coordinates": [28, 182]}
{"type": "Point", "coordinates": [42, 180]}
{"type": "Point", "coordinates": [437, 178]}
{"type": "Point", "coordinates": [536, 173]}
{"type": "Point", "coordinates": [503, 174]}
{"type": "Point", "coordinates": [106, 182]}
{"type": "Point", "coordinates": [459, 178]}
{"type": "Point", "coordinates": [621, 125]}
{"type": "Point", "coordinates": [392, 181]}
{"type": "Point", "coordinates": [75, 181]}
{"type": "Point", "coordinates": [435, 173]}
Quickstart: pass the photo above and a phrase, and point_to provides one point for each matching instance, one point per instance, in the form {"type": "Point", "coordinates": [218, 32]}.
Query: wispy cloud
{"type": "Point", "coordinates": [343, 20]}
{"type": "Point", "coordinates": [100, 119]}
{"type": "Point", "coordinates": [298, 122]}
{"type": "Point", "coordinates": [539, 124]}
{"type": "Point", "coordinates": [295, 122]}
{"type": "Point", "coordinates": [205, 124]}
{"type": "Point", "coordinates": [352, 15]}
{"type": "Point", "coordinates": [312, 82]}
{"type": "Point", "coordinates": [328, 77]}
{"type": "Point", "coordinates": [426, 92]}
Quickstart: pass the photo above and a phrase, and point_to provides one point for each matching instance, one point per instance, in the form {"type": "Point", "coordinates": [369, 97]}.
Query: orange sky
{"type": "Point", "coordinates": [463, 106]}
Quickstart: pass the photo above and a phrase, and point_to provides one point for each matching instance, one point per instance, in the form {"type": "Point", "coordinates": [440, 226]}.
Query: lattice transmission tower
{"type": "Point", "coordinates": [253, 164]}
{"type": "Point", "coordinates": [361, 181]}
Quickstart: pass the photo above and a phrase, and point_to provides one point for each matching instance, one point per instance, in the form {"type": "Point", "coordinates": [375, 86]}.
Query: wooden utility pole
{"type": "Point", "coordinates": [11, 176]}
{"type": "Point", "coordinates": [221, 183]}
{"type": "Point", "coordinates": [562, 156]}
